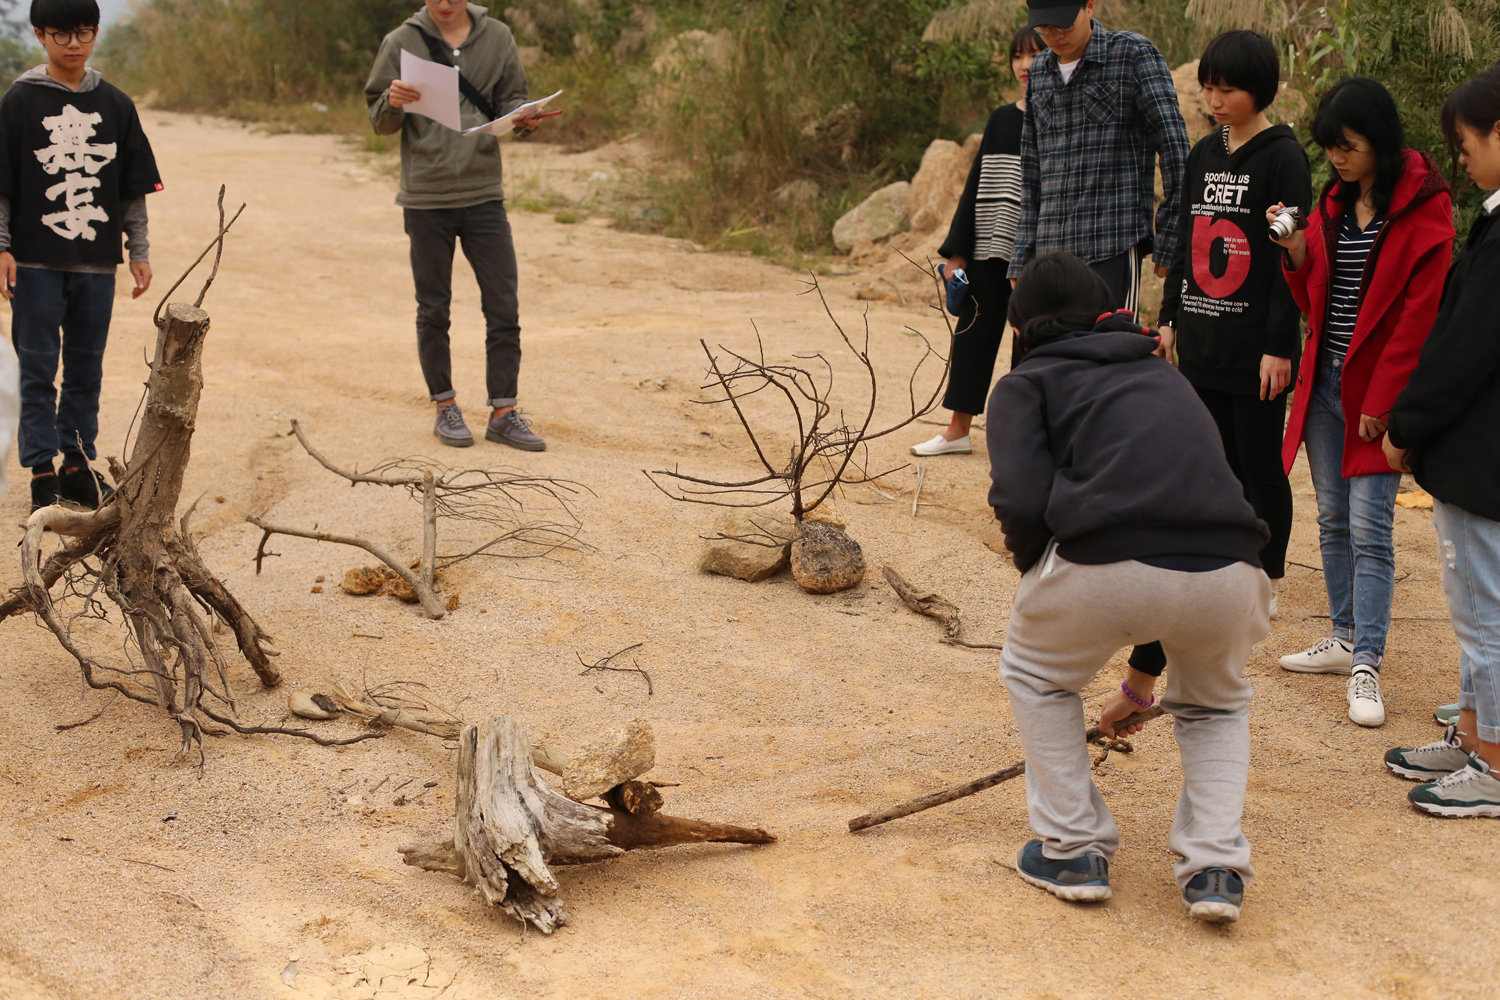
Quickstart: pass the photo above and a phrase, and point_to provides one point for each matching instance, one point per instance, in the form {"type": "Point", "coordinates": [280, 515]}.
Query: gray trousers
{"type": "Point", "coordinates": [1067, 621]}
{"type": "Point", "coordinates": [484, 232]}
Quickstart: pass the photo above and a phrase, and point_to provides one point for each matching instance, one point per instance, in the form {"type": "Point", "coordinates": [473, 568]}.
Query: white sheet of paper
{"type": "Point", "coordinates": [438, 85]}
{"type": "Point", "coordinates": [502, 126]}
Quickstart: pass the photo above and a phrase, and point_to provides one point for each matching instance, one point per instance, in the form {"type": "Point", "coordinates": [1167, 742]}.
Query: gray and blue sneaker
{"type": "Point", "coordinates": [450, 428]}
{"type": "Point", "coordinates": [1429, 762]}
{"type": "Point", "coordinates": [1082, 879]}
{"type": "Point", "coordinates": [1469, 792]}
{"type": "Point", "coordinates": [1446, 715]}
{"type": "Point", "coordinates": [514, 429]}
{"type": "Point", "coordinates": [1215, 895]}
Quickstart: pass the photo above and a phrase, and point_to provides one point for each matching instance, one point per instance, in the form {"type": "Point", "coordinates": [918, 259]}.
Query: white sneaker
{"type": "Point", "coordinates": [942, 446]}
{"type": "Point", "coordinates": [1365, 706]}
{"type": "Point", "coordinates": [1326, 656]}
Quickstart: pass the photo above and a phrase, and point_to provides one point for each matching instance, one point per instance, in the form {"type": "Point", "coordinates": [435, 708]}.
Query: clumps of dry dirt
{"type": "Point", "coordinates": [365, 580]}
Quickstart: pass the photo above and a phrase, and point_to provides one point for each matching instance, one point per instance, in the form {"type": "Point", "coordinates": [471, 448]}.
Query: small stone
{"type": "Point", "coordinates": [825, 560]}
{"type": "Point", "coordinates": [317, 590]}
{"type": "Point", "coordinates": [747, 545]}
{"type": "Point", "coordinates": [827, 513]}
{"type": "Point", "coordinates": [304, 703]}
{"type": "Point", "coordinates": [319, 578]}
{"type": "Point", "coordinates": [611, 760]}
{"type": "Point", "coordinates": [218, 499]}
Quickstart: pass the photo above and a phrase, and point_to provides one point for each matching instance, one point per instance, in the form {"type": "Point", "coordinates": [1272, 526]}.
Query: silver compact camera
{"type": "Point", "coordinates": [1287, 222]}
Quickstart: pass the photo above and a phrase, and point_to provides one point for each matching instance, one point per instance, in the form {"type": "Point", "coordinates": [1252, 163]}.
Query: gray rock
{"type": "Point", "coordinates": [938, 185]}
{"type": "Point", "coordinates": [747, 544]}
{"type": "Point", "coordinates": [825, 560]}
{"type": "Point", "coordinates": [613, 759]}
{"type": "Point", "coordinates": [882, 214]}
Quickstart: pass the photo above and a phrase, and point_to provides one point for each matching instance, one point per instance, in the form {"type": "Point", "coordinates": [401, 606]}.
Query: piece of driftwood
{"type": "Point", "coordinates": [635, 797]}
{"type": "Point", "coordinates": [968, 788]}
{"type": "Point", "coordinates": [510, 826]}
{"type": "Point", "coordinates": [379, 711]}
{"type": "Point", "coordinates": [136, 553]}
{"type": "Point", "coordinates": [925, 602]}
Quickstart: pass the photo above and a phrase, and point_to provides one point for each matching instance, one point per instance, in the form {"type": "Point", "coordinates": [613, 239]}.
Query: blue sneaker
{"type": "Point", "coordinates": [1083, 879]}
{"type": "Point", "coordinates": [1215, 895]}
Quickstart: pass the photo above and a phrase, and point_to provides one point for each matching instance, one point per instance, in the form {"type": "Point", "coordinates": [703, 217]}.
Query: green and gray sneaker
{"type": "Point", "coordinates": [1469, 792]}
{"type": "Point", "coordinates": [1430, 762]}
{"type": "Point", "coordinates": [1445, 715]}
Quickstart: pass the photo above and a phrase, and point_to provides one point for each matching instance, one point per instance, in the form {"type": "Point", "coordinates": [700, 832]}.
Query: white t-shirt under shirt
{"type": "Point", "coordinates": [1066, 69]}
{"type": "Point", "coordinates": [1492, 202]}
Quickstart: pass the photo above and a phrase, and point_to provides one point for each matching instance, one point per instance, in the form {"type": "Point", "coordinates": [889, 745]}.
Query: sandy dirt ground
{"type": "Point", "coordinates": [128, 872]}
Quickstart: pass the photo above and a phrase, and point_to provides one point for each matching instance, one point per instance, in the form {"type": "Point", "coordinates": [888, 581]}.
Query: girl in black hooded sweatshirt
{"type": "Point", "coordinates": [1236, 326]}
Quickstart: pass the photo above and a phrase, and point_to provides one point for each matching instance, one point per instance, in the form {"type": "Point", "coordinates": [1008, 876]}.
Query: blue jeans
{"type": "Point", "coordinates": [1356, 517]}
{"type": "Point", "coordinates": [1469, 551]}
{"type": "Point", "coordinates": [63, 313]}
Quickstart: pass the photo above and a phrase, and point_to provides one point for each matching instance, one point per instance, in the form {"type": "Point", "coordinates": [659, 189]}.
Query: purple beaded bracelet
{"type": "Point", "coordinates": [1136, 698]}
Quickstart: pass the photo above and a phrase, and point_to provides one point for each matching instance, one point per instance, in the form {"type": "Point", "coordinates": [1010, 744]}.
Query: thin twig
{"type": "Point", "coordinates": [917, 496]}
{"type": "Point", "coordinates": [63, 727]}
{"type": "Point", "coordinates": [950, 641]}
{"type": "Point", "coordinates": [604, 664]}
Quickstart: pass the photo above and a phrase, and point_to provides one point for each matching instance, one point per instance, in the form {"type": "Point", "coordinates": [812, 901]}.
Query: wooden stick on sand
{"type": "Point", "coordinates": [978, 784]}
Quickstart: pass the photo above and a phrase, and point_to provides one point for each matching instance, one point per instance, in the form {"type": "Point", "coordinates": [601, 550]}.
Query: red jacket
{"type": "Point", "coordinates": [1398, 303]}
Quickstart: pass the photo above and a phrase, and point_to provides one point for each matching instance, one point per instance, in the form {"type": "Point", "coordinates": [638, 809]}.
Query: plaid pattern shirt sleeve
{"type": "Point", "coordinates": [1089, 149]}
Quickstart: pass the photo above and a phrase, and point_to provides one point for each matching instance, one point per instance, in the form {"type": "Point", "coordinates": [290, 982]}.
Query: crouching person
{"type": "Point", "coordinates": [1129, 527]}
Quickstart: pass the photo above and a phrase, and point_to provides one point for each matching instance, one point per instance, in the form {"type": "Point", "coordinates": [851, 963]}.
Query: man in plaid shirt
{"type": "Point", "coordinates": [1100, 106]}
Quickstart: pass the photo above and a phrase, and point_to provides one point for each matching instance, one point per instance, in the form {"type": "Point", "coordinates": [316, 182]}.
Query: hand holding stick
{"type": "Point", "coordinates": [979, 784]}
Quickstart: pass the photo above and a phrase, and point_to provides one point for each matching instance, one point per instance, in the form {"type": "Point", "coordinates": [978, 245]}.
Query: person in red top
{"type": "Point", "coordinates": [1369, 273]}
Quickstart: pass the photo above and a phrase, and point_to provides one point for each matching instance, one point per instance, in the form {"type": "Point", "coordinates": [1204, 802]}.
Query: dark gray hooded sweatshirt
{"type": "Point", "coordinates": [1107, 449]}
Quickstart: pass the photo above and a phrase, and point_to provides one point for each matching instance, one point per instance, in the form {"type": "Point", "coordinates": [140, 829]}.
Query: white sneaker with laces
{"type": "Point", "coordinates": [942, 446]}
{"type": "Point", "coordinates": [1365, 706]}
{"type": "Point", "coordinates": [1326, 656]}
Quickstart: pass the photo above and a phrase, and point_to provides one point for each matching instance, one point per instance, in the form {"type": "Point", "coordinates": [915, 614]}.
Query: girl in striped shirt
{"type": "Point", "coordinates": [979, 242]}
{"type": "Point", "coordinates": [1368, 272]}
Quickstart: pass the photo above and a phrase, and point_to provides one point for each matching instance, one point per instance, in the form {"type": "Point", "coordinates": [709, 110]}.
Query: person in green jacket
{"type": "Point", "coordinates": [450, 192]}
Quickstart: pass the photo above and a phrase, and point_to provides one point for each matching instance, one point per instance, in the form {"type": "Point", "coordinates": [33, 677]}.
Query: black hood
{"type": "Point", "coordinates": [1115, 339]}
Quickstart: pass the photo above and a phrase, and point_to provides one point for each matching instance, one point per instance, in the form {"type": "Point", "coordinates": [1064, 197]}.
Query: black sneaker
{"type": "Point", "coordinates": [1082, 879]}
{"type": "Point", "coordinates": [451, 429]}
{"type": "Point", "coordinates": [1215, 895]}
{"type": "Point", "coordinates": [83, 486]}
{"type": "Point", "coordinates": [43, 491]}
{"type": "Point", "coordinates": [515, 430]}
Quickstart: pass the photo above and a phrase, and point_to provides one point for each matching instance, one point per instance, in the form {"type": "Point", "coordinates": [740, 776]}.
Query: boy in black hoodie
{"type": "Point", "coordinates": [1236, 326]}
{"type": "Point", "coordinates": [1128, 526]}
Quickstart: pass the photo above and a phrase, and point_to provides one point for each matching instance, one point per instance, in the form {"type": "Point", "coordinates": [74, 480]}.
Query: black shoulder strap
{"type": "Point", "coordinates": [439, 53]}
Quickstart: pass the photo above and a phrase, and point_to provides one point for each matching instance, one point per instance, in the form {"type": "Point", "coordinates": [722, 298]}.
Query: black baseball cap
{"type": "Point", "coordinates": [1050, 13]}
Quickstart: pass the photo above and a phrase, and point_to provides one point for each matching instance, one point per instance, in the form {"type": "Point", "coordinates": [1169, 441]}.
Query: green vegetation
{"type": "Point", "coordinates": [775, 116]}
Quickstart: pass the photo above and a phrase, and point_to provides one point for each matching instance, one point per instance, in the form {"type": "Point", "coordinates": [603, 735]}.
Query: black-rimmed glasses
{"type": "Point", "coordinates": [83, 36]}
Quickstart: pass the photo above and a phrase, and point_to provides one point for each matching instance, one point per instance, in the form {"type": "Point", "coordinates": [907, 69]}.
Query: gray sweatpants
{"type": "Point", "coordinates": [1067, 621]}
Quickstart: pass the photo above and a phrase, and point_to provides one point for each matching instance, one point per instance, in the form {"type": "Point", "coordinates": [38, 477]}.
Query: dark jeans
{"type": "Point", "coordinates": [60, 313]}
{"type": "Point", "coordinates": [485, 233]}
{"type": "Point", "coordinates": [1251, 429]}
{"type": "Point", "coordinates": [979, 329]}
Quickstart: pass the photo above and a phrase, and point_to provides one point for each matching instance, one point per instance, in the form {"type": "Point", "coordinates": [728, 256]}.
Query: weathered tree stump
{"type": "Point", "coordinates": [509, 826]}
{"type": "Point", "coordinates": [136, 550]}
